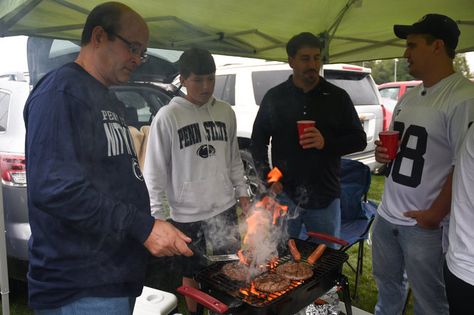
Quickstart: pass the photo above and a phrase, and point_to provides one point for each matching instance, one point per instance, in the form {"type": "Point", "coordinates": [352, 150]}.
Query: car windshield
{"type": "Point", "coordinates": [265, 80]}
{"type": "Point", "coordinates": [357, 84]}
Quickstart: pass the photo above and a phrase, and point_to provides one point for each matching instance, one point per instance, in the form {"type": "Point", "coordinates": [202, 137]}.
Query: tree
{"type": "Point", "coordinates": [461, 65]}
{"type": "Point", "coordinates": [384, 70]}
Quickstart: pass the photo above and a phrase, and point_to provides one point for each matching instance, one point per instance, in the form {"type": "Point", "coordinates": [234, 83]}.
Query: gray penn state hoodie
{"type": "Point", "coordinates": [193, 159]}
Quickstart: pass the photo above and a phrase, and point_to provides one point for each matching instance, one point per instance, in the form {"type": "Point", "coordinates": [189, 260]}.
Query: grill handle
{"type": "Point", "coordinates": [204, 299]}
{"type": "Point", "coordinates": [327, 237]}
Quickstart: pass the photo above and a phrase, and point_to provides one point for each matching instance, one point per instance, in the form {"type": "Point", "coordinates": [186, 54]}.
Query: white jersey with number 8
{"type": "Point", "coordinates": [432, 123]}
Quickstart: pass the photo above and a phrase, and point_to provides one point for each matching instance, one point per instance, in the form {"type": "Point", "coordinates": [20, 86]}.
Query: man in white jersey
{"type": "Point", "coordinates": [432, 119]}
{"type": "Point", "coordinates": [459, 270]}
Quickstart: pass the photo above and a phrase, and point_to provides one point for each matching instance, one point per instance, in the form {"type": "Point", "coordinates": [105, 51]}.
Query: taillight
{"type": "Point", "coordinates": [387, 117]}
{"type": "Point", "coordinates": [13, 169]}
{"type": "Point", "coordinates": [354, 68]}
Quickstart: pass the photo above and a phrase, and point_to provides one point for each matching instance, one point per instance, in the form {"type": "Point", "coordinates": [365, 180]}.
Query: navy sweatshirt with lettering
{"type": "Point", "coordinates": [89, 208]}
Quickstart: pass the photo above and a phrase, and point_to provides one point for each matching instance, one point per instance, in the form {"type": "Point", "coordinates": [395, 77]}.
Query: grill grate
{"type": "Point", "coordinates": [328, 267]}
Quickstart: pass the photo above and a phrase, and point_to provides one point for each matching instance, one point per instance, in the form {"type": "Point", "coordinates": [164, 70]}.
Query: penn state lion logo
{"type": "Point", "coordinates": [206, 150]}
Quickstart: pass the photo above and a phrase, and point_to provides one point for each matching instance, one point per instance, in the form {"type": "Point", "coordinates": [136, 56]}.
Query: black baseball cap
{"type": "Point", "coordinates": [438, 25]}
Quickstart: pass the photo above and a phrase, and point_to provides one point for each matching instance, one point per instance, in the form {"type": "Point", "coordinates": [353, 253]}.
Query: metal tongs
{"type": "Point", "coordinates": [217, 258]}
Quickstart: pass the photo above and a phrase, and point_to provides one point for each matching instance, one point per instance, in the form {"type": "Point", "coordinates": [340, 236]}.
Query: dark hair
{"type": "Point", "coordinates": [430, 39]}
{"type": "Point", "coordinates": [196, 60]}
{"type": "Point", "coordinates": [305, 39]}
{"type": "Point", "coordinates": [108, 16]}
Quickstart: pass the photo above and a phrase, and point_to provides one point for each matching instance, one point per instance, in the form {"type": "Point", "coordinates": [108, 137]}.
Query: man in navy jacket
{"type": "Point", "coordinates": [89, 209]}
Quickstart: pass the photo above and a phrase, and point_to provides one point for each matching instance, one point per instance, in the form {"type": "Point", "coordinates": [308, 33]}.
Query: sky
{"type": "Point", "coordinates": [13, 56]}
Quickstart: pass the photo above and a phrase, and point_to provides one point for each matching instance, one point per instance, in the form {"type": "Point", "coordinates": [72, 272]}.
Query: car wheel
{"type": "Point", "coordinates": [250, 173]}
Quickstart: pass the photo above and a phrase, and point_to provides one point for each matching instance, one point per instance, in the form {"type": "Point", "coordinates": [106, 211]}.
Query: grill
{"type": "Point", "coordinates": [234, 297]}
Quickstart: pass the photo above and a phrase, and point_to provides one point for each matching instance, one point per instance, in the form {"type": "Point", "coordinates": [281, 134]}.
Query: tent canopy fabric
{"type": "Point", "coordinates": [353, 30]}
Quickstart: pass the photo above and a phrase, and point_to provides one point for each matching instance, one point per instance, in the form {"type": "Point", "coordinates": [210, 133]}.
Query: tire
{"type": "Point", "coordinates": [250, 174]}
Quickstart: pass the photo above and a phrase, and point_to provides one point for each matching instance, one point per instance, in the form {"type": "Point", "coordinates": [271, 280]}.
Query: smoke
{"type": "Point", "coordinates": [302, 194]}
{"type": "Point", "coordinates": [262, 238]}
{"type": "Point", "coordinates": [222, 234]}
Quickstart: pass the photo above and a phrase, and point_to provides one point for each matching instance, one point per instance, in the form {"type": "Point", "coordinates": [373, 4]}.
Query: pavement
{"type": "Point", "coordinates": [355, 310]}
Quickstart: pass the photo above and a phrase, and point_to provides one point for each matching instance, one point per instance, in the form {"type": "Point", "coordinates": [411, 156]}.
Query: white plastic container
{"type": "Point", "coordinates": [155, 302]}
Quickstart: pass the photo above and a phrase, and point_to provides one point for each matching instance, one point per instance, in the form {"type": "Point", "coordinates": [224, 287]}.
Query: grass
{"type": "Point", "coordinates": [18, 299]}
{"type": "Point", "coordinates": [367, 289]}
{"type": "Point", "coordinates": [161, 276]}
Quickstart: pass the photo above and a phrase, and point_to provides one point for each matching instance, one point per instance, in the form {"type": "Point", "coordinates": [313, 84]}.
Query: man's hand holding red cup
{"type": "Point", "coordinates": [309, 135]}
{"type": "Point", "coordinates": [387, 146]}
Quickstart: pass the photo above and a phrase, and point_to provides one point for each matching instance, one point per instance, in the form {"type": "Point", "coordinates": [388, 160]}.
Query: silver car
{"type": "Point", "coordinates": [14, 90]}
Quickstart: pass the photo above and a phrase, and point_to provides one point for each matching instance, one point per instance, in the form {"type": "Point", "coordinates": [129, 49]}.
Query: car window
{"type": "Point", "coordinates": [391, 93]}
{"type": "Point", "coordinates": [225, 88]}
{"type": "Point", "coordinates": [141, 103]}
{"type": "Point", "coordinates": [265, 80]}
{"type": "Point", "coordinates": [60, 47]}
{"type": "Point", "coordinates": [4, 105]}
{"type": "Point", "coordinates": [357, 84]}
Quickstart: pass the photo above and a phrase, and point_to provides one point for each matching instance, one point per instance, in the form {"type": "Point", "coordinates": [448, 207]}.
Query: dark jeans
{"type": "Point", "coordinates": [94, 306]}
{"type": "Point", "coordinates": [460, 294]}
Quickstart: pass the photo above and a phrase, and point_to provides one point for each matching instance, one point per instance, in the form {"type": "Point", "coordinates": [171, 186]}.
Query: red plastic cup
{"type": "Point", "coordinates": [303, 124]}
{"type": "Point", "coordinates": [390, 141]}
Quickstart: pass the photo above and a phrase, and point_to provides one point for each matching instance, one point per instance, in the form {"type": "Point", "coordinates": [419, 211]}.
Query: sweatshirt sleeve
{"type": "Point", "coordinates": [57, 181]}
{"type": "Point", "coordinates": [237, 167]}
{"type": "Point", "coordinates": [350, 137]}
{"type": "Point", "coordinates": [157, 162]}
{"type": "Point", "coordinates": [260, 139]}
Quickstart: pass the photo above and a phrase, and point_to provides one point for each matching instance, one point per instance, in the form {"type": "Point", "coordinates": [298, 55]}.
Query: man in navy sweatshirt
{"type": "Point", "coordinates": [89, 209]}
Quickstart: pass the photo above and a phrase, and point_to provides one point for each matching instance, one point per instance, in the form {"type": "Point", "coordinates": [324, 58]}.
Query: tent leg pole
{"type": "Point", "coordinates": [5, 290]}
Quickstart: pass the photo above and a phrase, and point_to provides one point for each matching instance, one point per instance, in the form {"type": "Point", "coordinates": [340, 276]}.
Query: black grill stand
{"type": "Point", "coordinates": [346, 296]}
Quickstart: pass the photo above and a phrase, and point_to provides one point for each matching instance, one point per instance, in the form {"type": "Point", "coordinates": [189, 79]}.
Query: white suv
{"type": "Point", "coordinates": [244, 85]}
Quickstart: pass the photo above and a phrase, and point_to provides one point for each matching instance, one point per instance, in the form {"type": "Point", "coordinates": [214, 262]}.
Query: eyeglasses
{"type": "Point", "coordinates": [134, 49]}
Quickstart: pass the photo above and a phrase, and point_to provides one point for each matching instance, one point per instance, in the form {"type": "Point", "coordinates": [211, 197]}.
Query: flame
{"type": "Point", "coordinates": [260, 239]}
{"type": "Point", "coordinates": [257, 227]}
{"type": "Point", "coordinates": [274, 175]}
{"type": "Point", "coordinates": [276, 209]}
{"type": "Point", "coordinates": [279, 211]}
{"type": "Point", "coordinates": [251, 291]}
{"type": "Point", "coordinates": [243, 260]}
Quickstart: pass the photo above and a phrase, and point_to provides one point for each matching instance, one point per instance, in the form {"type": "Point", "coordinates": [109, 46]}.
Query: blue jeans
{"type": "Point", "coordinates": [418, 251]}
{"type": "Point", "coordinates": [94, 306]}
{"type": "Point", "coordinates": [326, 220]}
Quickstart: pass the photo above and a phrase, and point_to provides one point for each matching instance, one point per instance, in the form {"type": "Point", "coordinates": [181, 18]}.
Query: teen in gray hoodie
{"type": "Point", "coordinates": [193, 160]}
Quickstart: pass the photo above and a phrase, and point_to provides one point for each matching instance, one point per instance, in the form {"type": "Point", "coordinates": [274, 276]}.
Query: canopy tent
{"type": "Point", "coordinates": [353, 30]}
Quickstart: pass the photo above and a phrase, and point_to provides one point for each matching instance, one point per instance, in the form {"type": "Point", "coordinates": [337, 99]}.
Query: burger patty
{"type": "Point", "coordinates": [295, 271]}
{"type": "Point", "coordinates": [236, 271]}
{"type": "Point", "coordinates": [271, 282]}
